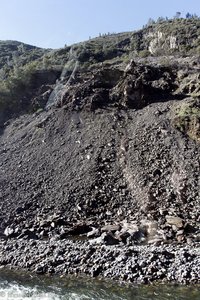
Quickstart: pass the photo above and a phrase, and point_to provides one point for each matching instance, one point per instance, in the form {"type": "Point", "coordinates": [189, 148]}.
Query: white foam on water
{"type": "Point", "coordinates": [74, 296]}
{"type": "Point", "coordinates": [12, 291]}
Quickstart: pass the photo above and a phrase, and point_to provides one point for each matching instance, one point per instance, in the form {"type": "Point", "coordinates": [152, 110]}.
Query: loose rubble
{"type": "Point", "coordinates": [132, 263]}
{"type": "Point", "coordinates": [104, 183]}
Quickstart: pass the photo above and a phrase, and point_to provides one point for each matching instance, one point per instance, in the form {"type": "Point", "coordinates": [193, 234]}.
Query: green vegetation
{"type": "Point", "coordinates": [14, 54]}
{"type": "Point", "coordinates": [16, 85]}
{"type": "Point", "coordinates": [19, 62]}
{"type": "Point", "coordinates": [187, 119]}
{"type": "Point", "coordinates": [19, 66]}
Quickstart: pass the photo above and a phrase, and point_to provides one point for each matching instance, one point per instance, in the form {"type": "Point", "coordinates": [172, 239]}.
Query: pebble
{"type": "Point", "coordinates": [178, 263]}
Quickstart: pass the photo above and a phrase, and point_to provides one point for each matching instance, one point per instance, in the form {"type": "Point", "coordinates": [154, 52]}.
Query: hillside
{"type": "Point", "coordinates": [102, 138]}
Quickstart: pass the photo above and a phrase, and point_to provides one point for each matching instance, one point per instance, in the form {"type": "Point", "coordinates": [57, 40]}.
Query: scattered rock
{"type": "Point", "coordinates": [130, 263]}
{"type": "Point", "coordinates": [111, 228]}
{"type": "Point", "coordinates": [8, 231]}
{"type": "Point", "coordinates": [95, 232]}
{"type": "Point", "coordinates": [178, 222]}
{"type": "Point", "coordinates": [150, 228]}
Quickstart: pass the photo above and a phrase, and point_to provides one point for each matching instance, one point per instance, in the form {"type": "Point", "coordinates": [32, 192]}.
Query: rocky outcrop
{"type": "Point", "coordinates": [165, 37]}
{"type": "Point", "coordinates": [134, 88]}
{"type": "Point", "coordinates": [160, 41]}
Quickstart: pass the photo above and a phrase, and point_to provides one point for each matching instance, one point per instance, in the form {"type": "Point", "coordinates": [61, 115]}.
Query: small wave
{"type": "Point", "coordinates": [56, 289]}
{"type": "Point", "coordinates": [10, 291]}
{"type": "Point", "coordinates": [14, 291]}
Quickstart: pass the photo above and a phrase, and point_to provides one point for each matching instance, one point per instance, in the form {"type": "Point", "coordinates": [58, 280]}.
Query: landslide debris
{"type": "Point", "coordinates": [92, 139]}
{"type": "Point", "coordinates": [108, 151]}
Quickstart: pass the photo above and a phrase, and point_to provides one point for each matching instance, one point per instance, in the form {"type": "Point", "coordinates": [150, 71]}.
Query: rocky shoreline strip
{"type": "Point", "coordinates": [174, 262]}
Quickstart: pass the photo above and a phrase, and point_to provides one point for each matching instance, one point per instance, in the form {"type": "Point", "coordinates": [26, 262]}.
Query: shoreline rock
{"type": "Point", "coordinates": [179, 263]}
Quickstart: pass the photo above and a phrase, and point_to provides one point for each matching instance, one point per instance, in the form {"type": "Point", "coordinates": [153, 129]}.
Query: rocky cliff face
{"type": "Point", "coordinates": [118, 144]}
{"type": "Point", "coordinates": [180, 36]}
{"type": "Point", "coordinates": [111, 151]}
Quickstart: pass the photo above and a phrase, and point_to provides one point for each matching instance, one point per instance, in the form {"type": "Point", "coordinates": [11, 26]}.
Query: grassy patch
{"type": "Point", "coordinates": [187, 119]}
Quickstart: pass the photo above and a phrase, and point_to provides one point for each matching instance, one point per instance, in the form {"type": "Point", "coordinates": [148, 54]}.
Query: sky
{"type": "Point", "coordinates": [55, 23]}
